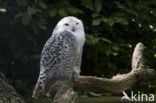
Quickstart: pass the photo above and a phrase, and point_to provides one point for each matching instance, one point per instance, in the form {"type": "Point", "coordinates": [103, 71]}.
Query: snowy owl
{"type": "Point", "coordinates": [61, 55]}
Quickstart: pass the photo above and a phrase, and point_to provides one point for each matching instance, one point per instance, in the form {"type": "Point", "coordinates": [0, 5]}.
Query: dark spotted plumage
{"type": "Point", "coordinates": [58, 59]}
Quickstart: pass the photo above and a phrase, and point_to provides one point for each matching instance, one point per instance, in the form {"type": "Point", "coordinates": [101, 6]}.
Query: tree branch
{"type": "Point", "coordinates": [119, 83]}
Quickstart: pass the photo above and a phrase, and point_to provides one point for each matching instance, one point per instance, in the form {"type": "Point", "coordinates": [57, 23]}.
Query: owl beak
{"type": "Point", "coordinates": [73, 29]}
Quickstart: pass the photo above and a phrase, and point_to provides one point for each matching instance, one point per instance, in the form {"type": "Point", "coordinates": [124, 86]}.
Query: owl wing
{"type": "Point", "coordinates": [57, 48]}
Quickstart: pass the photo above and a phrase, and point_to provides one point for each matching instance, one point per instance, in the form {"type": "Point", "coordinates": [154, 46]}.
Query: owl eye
{"type": "Point", "coordinates": [66, 24]}
{"type": "Point", "coordinates": [77, 23]}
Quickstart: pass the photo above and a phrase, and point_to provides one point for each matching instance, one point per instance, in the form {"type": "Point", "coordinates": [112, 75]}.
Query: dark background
{"type": "Point", "coordinates": [113, 28]}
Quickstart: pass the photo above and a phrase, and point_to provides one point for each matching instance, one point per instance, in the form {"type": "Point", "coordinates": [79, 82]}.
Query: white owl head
{"type": "Point", "coordinates": [70, 23]}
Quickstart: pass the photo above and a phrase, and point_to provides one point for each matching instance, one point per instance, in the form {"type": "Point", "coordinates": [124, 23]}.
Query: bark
{"type": "Point", "coordinates": [8, 93]}
{"type": "Point", "coordinates": [117, 84]}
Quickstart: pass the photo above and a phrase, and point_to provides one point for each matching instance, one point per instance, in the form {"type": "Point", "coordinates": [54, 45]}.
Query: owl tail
{"type": "Point", "coordinates": [40, 87]}
{"type": "Point", "coordinates": [36, 92]}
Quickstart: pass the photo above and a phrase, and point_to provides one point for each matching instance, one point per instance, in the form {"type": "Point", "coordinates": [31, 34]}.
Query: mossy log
{"type": "Point", "coordinates": [8, 93]}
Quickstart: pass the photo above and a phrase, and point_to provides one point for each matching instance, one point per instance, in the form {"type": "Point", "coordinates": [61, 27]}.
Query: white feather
{"type": "Point", "coordinates": [78, 32]}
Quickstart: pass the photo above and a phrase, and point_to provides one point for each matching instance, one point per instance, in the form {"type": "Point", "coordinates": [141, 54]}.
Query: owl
{"type": "Point", "coordinates": [61, 55]}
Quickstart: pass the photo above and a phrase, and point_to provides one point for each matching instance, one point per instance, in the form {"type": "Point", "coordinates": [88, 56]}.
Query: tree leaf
{"type": "Point", "coordinates": [31, 10]}
{"type": "Point", "coordinates": [92, 40]}
{"type": "Point", "coordinates": [88, 4]}
{"type": "Point", "coordinates": [115, 47]}
{"type": "Point", "coordinates": [108, 51]}
{"type": "Point", "coordinates": [43, 5]}
{"type": "Point", "coordinates": [22, 2]}
{"type": "Point", "coordinates": [74, 10]}
{"type": "Point", "coordinates": [96, 22]}
{"type": "Point", "coordinates": [18, 15]}
{"type": "Point", "coordinates": [124, 22]}
{"type": "Point", "coordinates": [106, 40]}
{"type": "Point", "coordinates": [26, 19]}
{"type": "Point", "coordinates": [62, 12]}
{"type": "Point", "coordinates": [94, 15]}
{"type": "Point", "coordinates": [109, 21]}
{"type": "Point", "coordinates": [119, 5]}
{"type": "Point", "coordinates": [41, 24]}
{"type": "Point", "coordinates": [52, 12]}
{"type": "Point", "coordinates": [98, 5]}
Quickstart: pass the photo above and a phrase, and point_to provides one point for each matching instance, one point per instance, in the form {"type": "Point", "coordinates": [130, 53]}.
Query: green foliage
{"type": "Point", "coordinates": [113, 27]}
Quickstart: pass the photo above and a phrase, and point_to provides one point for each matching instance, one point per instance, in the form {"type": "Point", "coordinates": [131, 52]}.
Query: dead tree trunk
{"type": "Point", "coordinates": [119, 83]}
{"type": "Point", "coordinates": [8, 93]}
{"type": "Point", "coordinates": [116, 84]}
